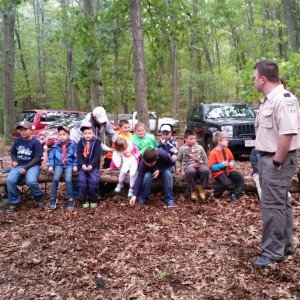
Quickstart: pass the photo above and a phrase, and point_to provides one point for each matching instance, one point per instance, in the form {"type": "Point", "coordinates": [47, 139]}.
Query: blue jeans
{"type": "Point", "coordinates": [31, 177]}
{"type": "Point", "coordinates": [167, 179]}
{"type": "Point", "coordinates": [58, 171]}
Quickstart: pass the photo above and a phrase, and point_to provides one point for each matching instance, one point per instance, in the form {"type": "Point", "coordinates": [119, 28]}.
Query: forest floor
{"type": "Point", "coordinates": [115, 251]}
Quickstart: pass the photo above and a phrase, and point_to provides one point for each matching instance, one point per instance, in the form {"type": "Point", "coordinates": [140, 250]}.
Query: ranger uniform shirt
{"type": "Point", "coordinates": [278, 115]}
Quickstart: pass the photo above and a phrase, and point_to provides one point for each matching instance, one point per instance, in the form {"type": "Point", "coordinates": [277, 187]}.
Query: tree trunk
{"type": "Point", "coordinates": [263, 28]}
{"type": "Point", "coordinates": [9, 118]}
{"type": "Point", "coordinates": [138, 59]}
{"type": "Point", "coordinates": [250, 13]}
{"type": "Point", "coordinates": [39, 24]}
{"type": "Point", "coordinates": [291, 9]}
{"type": "Point", "coordinates": [71, 90]}
{"type": "Point", "coordinates": [96, 88]}
{"type": "Point", "coordinates": [175, 79]}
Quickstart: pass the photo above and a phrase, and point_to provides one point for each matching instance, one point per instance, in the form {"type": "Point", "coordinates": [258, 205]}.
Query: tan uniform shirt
{"type": "Point", "coordinates": [278, 115]}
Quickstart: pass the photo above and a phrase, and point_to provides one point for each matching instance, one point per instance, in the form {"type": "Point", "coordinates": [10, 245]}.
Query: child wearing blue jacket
{"type": "Point", "coordinates": [63, 159]}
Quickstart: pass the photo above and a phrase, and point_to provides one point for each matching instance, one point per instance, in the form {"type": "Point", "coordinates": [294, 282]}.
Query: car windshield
{"type": "Point", "coordinates": [229, 111]}
{"type": "Point", "coordinates": [67, 121]}
{"type": "Point", "coordinates": [27, 116]}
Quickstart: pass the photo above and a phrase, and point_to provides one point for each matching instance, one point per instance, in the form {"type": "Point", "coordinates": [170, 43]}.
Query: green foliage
{"type": "Point", "coordinates": [225, 49]}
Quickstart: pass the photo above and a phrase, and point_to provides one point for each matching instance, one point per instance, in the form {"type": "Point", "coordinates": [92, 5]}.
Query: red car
{"type": "Point", "coordinates": [42, 118]}
{"type": "Point", "coordinates": [49, 135]}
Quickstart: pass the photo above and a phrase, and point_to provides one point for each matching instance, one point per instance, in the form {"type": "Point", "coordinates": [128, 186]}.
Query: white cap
{"type": "Point", "coordinates": [99, 114]}
{"type": "Point", "coordinates": [166, 127]}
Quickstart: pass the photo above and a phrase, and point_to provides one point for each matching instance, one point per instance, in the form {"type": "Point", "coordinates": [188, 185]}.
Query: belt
{"type": "Point", "coordinates": [264, 153]}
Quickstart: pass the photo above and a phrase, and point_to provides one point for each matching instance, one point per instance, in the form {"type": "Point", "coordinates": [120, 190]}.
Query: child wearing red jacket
{"type": "Point", "coordinates": [222, 166]}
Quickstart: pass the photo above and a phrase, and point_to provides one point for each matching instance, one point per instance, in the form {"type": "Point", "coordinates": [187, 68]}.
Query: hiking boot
{"type": "Point", "coordinates": [86, 204]}
{"type": "Point", "coordinates": [71, 204]}
{"type": "Point", "coordinates": [119, 187]}
{"type": "Point", "coordinates": [93, 204]}
{"type": "Point", "coordinates": [12, 208]}
{"type": "Point", "coordinates": [130, 193]}
{"type": "Point", "coordinates": [201, 193]}
{"type": "Point", "coordinates": [53, 202]}
{"type": "Point", "coordinates": [193, 195]}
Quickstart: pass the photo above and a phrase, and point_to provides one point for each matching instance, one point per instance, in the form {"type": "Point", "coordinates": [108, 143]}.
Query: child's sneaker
{"type": "Point", "coordinates": [130, 193]}
{"type": "Point", "coordinates": [171, 203]}
{"type": "Point", "coordinates": [119, 187]}
{"type": "Point", "coordinates": [53, 202]}
{"type": "Point", "coordinates": [93, 204]}
{"type": "Point", "coordinates": [86, 204]}
{"type": "Point", "coordinates": [71, 204]}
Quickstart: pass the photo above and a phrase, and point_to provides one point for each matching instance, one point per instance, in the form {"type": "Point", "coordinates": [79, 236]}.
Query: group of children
{"type": "Point", "coordinates": [139, 154]}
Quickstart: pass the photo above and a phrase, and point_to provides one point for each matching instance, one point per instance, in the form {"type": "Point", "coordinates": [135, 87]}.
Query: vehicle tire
{"type": "Point", "coordinates": [208, 144]}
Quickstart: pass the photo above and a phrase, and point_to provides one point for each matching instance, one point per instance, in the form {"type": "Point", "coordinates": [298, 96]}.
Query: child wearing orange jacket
{"type": "Point", "coordinates": [222, 166]}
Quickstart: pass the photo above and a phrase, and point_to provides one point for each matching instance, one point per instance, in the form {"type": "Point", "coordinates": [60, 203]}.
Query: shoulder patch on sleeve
{"type": "Point", "coordinates": [287, 95]}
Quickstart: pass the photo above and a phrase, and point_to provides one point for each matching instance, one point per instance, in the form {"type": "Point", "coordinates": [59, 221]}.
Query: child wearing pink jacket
{"type": "Point", "coordinates": [126, 157]}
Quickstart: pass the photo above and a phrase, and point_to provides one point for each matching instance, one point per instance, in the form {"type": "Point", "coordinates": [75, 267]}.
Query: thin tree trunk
{"type": "Point", "coordinates": [96, 87]}
{"type": "Point", "coordinates": [138, 59]}
{"type": "Point", "coordinates": [39, 20]}
{"type": "Point", "coordinates": [175, 79]}
{"type": "Point", "coordinates": [9, 118]}
{"type": "Point", "coordinates": [250, 13]}
{"type": "Point", "coordinates": [291, 9]}
{"type": "Point", "coordinates": [263, 28]}
{"type": "Point", "coordinates": [71, 90]}
{"type": "Point", "coordinates": [22, 60]}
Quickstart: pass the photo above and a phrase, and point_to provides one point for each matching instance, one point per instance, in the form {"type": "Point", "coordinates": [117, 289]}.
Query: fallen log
{"type": "Point", "coordinates": [111, 176]}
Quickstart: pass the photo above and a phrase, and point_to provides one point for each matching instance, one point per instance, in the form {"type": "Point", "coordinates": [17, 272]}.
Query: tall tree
{"type": "Point", "coordinates": [38, 8]}
{"type": "Point", "coordinates": [291, 9]}
{"type": "Point", "coordinates": [139, 61]}
{"type": "Point", "coordinates": [9, 15]}
{"type": "Point", "coordinates": [71, 89]}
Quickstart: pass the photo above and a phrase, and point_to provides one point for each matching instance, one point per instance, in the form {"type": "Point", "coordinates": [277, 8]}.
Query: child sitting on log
{"type": "Point", "coordinates": [88, 153]}
{"type": "Point", "coordinates": [222, 165]}
{"type": "Point", "coordinates": [142, 139]}
{"type": "Point", "coordinates": [126, 158]}
{"type": "Point", "coordinates": [193, 159]}
{"type": "Point", "coordinates": [63, 160]}
{"type": "Point", "coordinates": [26, 153]}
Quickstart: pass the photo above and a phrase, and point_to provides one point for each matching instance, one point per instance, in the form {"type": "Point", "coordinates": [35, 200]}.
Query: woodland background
{"type": "Point", "coordinates": [140, 55]}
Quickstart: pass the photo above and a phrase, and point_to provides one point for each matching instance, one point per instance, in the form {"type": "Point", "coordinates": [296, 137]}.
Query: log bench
{"type": "Point", "coordinates": [111, 176]}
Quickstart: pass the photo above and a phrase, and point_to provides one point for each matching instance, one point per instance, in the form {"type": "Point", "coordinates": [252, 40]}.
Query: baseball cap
{"type": "Point", "coordinates": [99, 114]}
{"type": "Point", "coordinates": [86, 124]}
{"type": "Point", "coordinates": [65, 128]}
{"type": "Point", "coordinates": [165, 127]}
{"type": "Point", "coordinates": [24, 124]}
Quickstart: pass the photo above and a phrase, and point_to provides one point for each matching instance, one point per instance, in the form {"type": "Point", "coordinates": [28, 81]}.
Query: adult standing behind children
{"type": "Point", "coordinates": [167, 142]}
{"type": "Point", "coordinates": [26, 153]}
{"type": "Point", "coordinates": [193, 159]}
{"type": "Point", "coordinates": [155, 163]}
{"type": "Point", "coordinates": [88, 153]}
{"type": "Point", "coordinates": [278, 120]}
{"type": "Point", "coordinates": [63, 160]}
{"type": "Point", "coordinates": [142, 139]}
{"type": "Point", "coordinates": [99, 121]}
{"type": "Point", "coordinates": [222, 165]}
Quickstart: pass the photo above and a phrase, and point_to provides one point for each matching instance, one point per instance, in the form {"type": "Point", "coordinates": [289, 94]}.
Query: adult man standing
{"type": "Point", "coordinates": [99, 121]}
{"type": "Point", "coordinates": [277, 138]}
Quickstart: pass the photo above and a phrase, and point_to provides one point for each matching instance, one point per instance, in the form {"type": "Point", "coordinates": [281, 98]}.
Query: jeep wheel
{"type": "Point", "coordinates": [208, 145]}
